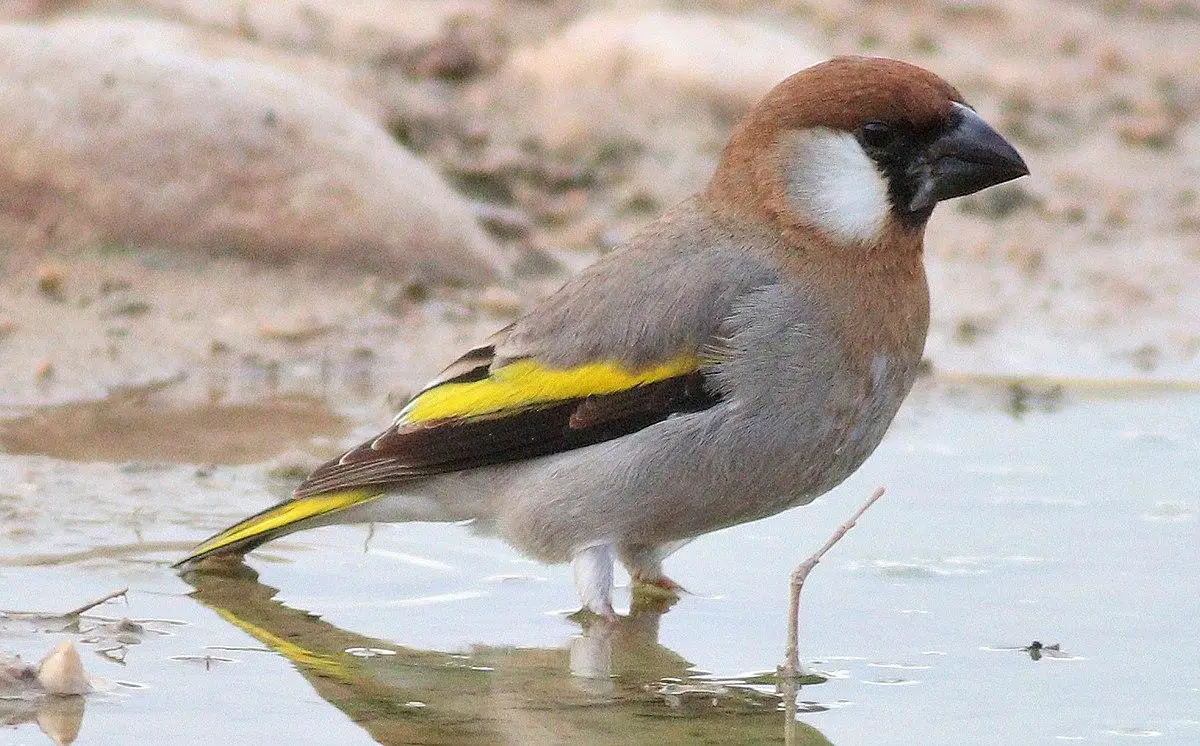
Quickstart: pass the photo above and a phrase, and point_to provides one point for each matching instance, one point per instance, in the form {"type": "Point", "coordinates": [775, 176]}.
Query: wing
{"type": "Point", "coordinates": [618, 348]}
{"type": "Point", "coordinates": [477, 414]}
{"type": "Point", "coordinates": [615, 350]}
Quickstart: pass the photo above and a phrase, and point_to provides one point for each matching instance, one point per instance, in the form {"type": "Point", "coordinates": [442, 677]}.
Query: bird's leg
{"type": "Point", "coordinates": [593, 568]}
{"type": "Point", "coordinates": [645, 568]}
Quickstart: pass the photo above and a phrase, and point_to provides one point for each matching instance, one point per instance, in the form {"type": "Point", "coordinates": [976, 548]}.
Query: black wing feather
{"type": "Point", "coordinates": [411, 451]}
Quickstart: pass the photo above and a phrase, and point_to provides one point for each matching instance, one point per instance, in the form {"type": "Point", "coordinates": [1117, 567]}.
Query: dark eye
{"type": "Point", "coordinates": [876, 134]}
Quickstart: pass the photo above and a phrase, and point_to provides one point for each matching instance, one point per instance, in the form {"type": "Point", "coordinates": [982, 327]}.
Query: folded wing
{"type": "Point", "coordinates": [474, 415]}
{"type": "Point", "coordinates": [612, 352]}
{"type": "Point", "coordinates": [521, 409]}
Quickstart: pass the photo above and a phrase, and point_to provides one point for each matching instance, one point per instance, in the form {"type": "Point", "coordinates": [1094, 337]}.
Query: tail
{"type": "Point", "coordinates": [288, 516]}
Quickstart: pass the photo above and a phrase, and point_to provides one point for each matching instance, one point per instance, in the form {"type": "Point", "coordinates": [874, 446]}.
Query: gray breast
{"type": "Point", "coordinates": [794, 421]}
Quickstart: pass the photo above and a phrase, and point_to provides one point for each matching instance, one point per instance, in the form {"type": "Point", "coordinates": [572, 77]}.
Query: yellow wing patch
{"type": "Point", "coordinates": [283, 515]}
{"type": "Point", "coordinates": [318, 662]}
{"type": "Point", "coordinates": [526, 383]}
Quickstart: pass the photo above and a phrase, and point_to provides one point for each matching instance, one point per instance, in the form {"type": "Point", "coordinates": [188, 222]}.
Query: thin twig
{"type": "Point", "coordinates": [6, 614]}
{"type": "Point", "coordinates": [789, 689]}
{"type": "Point", "coordinates": [791, 666]}
{"type": "Point", "coordinates": [93, 604]}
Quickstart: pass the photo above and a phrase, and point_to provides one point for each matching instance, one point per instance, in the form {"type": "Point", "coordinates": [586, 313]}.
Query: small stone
{"type": "Point", "coordinates": [294, 331]}
{"type": "Point", "coordinates": [1028, 259]}
{"type": "Point", "coordinates": [1154, 130]}
{"type": "Point", "coordinates": [501, 302]}
{"type": "Point", "coordinates": [536, 262]}
{"type": "Point", "coordinates": [456, 57]}
{"type": "Point", "coordinates": [1024, 397]}
{"type": "Point", "coordinates": [50, 280]}
{"type": "Point", "coordinates": [999, 202]}
{"type": "Point", "coordinates": [44, 371]}
{"type": "Point", "coordinates": [111, 285]}
{"type": "Point", "coordinates": [1070, 45]}
{"type": "Point", "coordinates": [968, 331]}
{"type": "Point", "coordinates": [293, 466]}
{"type": "Point", "coordinates": [1115, 215]}
{"type": "Point", "coordinates": [61, 672]}
{"type": "Point", "coordinates": [503, 222]}
{"type": "Point", "coordinates": [1067, 210]}
{"type": "Point", "coordinates": [1113, 61]}
{"type": "Point", "coordinates": [1145, 358]}
{"type": "Point", "coordinates": [129, 308]}
{"type": "Point", "coordinates": [15, 674]}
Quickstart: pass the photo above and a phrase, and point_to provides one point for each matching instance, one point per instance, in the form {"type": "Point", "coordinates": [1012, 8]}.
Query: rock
{"type": "Point", "coordinates": [501, 302]}
{"type": "Point", "coordinates": [505, 222]}
{"type": "Point", "coordinates": [1155, 130]}
{"type": "Point", "coordinates": [363, 89]}
{"type": "Point", "coordinates": [104, 143]}
{"type": "Point", "coordinates": [363, 30]}
{"type": "Point", "coordinates": [61, 671]}
{"type": "Point", "coordinates": [15, 675]}
{"type": "Point", "coordinates": [23, 690]}
{"type": "Point", "coordinates": [44, 372]}
{"type": "Point", "coordinates": [648, 97]}
{"type": "Point", "coordinates": [50, 280]}
{"type": "Point", "coordinates": [294, 330]}
{"type": "Point", "coordinates": [610, 64]}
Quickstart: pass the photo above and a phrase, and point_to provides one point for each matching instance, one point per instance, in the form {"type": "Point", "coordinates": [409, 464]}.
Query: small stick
{"type": "Point", "coordinates": [93, 604]}
{"type": "Point", "coordinates": [791, 666]}
{"type": "Point", "coordinates": [789, 689]}
{"type": "Point", "coordinates": [5, 614]}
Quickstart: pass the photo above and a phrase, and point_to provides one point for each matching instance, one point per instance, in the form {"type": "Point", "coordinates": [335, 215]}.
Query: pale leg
{"type": "Point", "coordinates": [645, 564]}
{"type": "Point", "coordinates": [593, 568]}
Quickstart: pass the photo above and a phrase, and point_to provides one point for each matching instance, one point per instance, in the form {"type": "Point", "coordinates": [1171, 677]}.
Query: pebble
{"type": "Point", "coordinates": [61, 672]}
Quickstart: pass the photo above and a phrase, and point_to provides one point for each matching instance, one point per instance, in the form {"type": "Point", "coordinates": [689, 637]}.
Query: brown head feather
{"type": "Point", "coordinates": [880, 290]}
{"type": "Point", "coordinates": [842, 94]}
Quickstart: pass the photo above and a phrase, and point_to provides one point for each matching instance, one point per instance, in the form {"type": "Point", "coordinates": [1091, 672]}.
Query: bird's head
{"type": "Point", "coordinates": [858, 148]}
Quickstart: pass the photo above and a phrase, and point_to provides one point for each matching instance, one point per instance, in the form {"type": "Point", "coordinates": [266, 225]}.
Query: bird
{"type": "Point", "coordinates": [741, 355]}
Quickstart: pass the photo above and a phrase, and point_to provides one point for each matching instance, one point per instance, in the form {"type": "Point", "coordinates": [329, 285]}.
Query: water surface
{"type": "Point", "coordinates": [1068, 519]}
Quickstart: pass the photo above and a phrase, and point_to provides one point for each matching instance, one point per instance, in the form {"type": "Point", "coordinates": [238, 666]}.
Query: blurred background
{"type": "Point", "coordinates": [235, 235]}
{"type": "Point", "coordinates": [391, 148]}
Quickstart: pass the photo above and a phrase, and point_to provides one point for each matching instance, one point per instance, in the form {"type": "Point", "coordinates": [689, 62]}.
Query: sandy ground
{"type": "Point", "coordinates": [1090, 267]}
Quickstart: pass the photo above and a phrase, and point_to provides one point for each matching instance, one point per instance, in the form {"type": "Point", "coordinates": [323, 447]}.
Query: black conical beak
{"type": "Point", "coordinates": [968, 157]}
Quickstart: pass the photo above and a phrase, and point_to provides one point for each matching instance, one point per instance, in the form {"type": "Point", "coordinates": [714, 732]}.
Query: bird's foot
{"type": "Point", "coordinates": [657, 586]}
{"type": "Point", "coordinates": [587, 616]}
{"type": "Point", "coordinates": [654, 594]}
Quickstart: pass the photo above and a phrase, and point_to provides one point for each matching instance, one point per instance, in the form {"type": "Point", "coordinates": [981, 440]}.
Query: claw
{"type": "Point", "coordinates": [665, 583]}
{"type": "Point", "coordinates": [661, 583]}
{"type": "Point", "coordinates": [587, 615]}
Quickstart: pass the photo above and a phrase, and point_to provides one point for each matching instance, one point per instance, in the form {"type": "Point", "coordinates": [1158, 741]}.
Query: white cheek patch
{"type": "Point", "coordinates": [833, 184]}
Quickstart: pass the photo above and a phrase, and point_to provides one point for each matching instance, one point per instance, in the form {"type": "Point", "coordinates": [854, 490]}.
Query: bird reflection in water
{"type": "Point", "coordinates": [612, 683]}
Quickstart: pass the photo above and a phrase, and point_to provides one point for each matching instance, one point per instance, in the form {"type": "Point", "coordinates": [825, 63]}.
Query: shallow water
{"type": "Point", "coordinates": [1073, 523]}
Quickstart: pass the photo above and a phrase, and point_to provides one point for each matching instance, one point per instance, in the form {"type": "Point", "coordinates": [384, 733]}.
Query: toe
{"type": "Point", "coordinates": [661, 583]}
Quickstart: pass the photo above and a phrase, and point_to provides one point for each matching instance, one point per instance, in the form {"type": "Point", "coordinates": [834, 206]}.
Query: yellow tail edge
{"type": "Point", "coordinates": [321, 663]}
{"type": "Point", "coordinates": [276, 521]}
